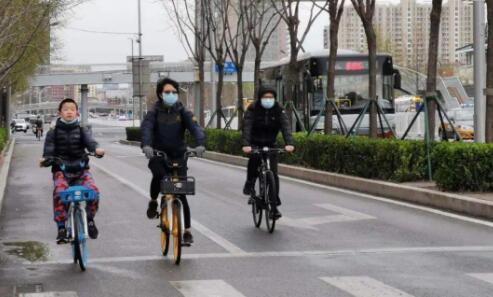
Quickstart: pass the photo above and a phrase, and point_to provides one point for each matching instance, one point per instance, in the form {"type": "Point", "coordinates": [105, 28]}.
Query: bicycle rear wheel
{"type": "Point", "coordinates": [270, 196]}
{"type": "Point", "coordinates": [176, 231]}
{"type": "Point", "coordinates": [79, 243]}
{"type": "Point", "coordinates": [164, 226]}
{"type": "Point", "coordinates": [256, 209]}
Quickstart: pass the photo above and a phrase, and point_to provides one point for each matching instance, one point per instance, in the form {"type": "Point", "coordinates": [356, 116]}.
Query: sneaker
{"type": "Point", "coordinates": [61, 238]}
{"type": "Point", "coordinates": [250, 201]}
{"type": "Point", "coordinates": [152, 210]}
{"type": "Point", "coordinates": [247, 189]}
{"type": "Point", "coordinates": [275, 214]}
{"type": "Point", "coordinates": [93, 231]}
{"type": "Point", "coordinates": [187, 238]}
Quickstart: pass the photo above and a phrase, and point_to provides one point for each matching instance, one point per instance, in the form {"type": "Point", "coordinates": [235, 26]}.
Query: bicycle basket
{"type": "Point", "coordinates": [183, 185]}
{"type": "Point", "coordinates": [78, 194]}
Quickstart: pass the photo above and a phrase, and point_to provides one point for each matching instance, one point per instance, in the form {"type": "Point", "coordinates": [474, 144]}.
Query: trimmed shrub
{"type": "Point", "coordinates": [133, 133]}
{"type": "Point", "coordinates": [463, 166]}
{"type": "Point", "coordinates": [3, 138]}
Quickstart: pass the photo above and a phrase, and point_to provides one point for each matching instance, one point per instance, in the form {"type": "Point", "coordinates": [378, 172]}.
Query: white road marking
{"type": "Point", "coordinates": [322, 253]}
{"type": "Point", "coordinates": [343, 215]}
{"type": "Point", "coordinates": [223, 242]}
{"type": "Point", "coordinates": [372, 197]}
{"type": "Point", "coordinates": [206, 288]}
{"type": "Point", "coordinates": [487, 277]}
{"type": "Point", "coordinates": [50, 294]}
{"type": "Point", "coordinates": [363, 286]}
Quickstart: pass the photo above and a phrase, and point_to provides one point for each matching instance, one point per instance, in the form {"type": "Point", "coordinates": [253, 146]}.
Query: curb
{"type": "Point", "coordinates": [5, 168]}
{"type": "Point", "coordinates": [445, 201]}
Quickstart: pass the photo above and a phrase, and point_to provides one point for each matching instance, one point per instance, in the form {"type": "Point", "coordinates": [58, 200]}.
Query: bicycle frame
{"type": "Point", "coordinates": [70, 221]}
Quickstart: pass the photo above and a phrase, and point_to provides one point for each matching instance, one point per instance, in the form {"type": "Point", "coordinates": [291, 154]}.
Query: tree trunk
{"type": "Point", "coordinates": [489, 75]}
{"type": "Point", "coordinates": [256, 73]}
{"type": "Point", "coordinates": [331, 78]}
{"type": "Point", "coordinates": [372, 56]}
{"type": "Point", "coordinates": [239, 76]}
{"type": "Point", "coordinates": [431, 80]}
{"type": "Point", "coordinates": [219, 91]}
{"type": "Point", "coordinates": [201, 93]}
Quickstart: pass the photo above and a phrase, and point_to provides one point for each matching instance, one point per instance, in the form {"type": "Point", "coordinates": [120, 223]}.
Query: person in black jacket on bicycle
{"type": "Point", "coordinates": [163, 129]}
{"type": "Point", "coordinates": [263, 121]}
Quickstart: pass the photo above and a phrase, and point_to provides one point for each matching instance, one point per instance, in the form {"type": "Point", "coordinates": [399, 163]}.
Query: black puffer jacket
{"type": "Point", "coordinates": [164, 129]}
{"type": "Point", "coordinates": [261, 125]}
{"type": "Point", "coordinates": [69, 142]}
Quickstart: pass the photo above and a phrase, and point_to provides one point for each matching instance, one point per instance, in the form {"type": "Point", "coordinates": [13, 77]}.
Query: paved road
{"type": "Point", "coordinates": [329, 242]}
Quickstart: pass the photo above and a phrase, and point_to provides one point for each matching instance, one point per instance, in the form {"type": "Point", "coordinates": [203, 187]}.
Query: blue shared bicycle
{"type": "Point", "coordinates": [75, 198]}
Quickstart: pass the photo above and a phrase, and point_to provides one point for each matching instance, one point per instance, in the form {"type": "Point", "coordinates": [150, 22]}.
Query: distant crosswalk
{"type": "Point", "coordinates": [356, 286]}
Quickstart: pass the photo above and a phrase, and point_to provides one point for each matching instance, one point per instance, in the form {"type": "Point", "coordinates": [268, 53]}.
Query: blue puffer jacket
{"type": "Point", "coordinates": [164, 129]}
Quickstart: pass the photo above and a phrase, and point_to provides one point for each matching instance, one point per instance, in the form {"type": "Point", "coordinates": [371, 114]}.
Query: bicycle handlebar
{"type": "Point", "coordinates": [266, 150]}
{"type": "Point", "coordinates": [53, 160]}
{"type": "Point", "coordinates": [188, 153]}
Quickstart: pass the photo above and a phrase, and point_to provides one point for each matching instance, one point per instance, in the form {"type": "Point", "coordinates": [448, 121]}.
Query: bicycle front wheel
{"type": "Point", "coordinates": [176, 231]}
{"type": "Point", "coordinates": [270, 196]}
{"type": "Point", "coordinates": [256, 208]}
{"type": "Point", "coordinates": [79, 243]}
{"type": "Point", "coordinates": [164, 225]}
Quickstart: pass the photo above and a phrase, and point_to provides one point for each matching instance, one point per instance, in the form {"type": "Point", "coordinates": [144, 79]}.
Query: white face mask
{"type": "Point", "coordinates": [69, 122]}
{"type": "Point", "coordinates": [267, 103]}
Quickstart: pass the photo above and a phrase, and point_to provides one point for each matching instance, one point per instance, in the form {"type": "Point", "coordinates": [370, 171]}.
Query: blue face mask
{"type": "Point", "coordinates": [267, 103]}
{"type": "Point", "coordinates": [170, 99]}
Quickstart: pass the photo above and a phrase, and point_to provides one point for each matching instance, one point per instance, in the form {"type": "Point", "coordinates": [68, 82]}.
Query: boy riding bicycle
{"type": "Point", "coordinates": [163, 129]}
{"type": "Point", "coordinates": [68, 141]}
{"type": "Point", "coordinates": [263, 121]}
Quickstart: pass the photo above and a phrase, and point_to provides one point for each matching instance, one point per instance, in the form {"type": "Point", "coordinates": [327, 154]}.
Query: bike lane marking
{"type": "Point", "coordinates": [486, 277]}
{"type": "Point", "coordinates": [364, 286]}
{"type": "Point", "coordinates": [206, 288]}
{"type": "Point", "coordinates": [223, 242]}
{"type": "Point", "coordinates": [368, 196]}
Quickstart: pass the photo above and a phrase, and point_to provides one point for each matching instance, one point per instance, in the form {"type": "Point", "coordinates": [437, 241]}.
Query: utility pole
{"type": "Point", "coordinates": [479, 71]}
{"type": "Point", "coordinates": [141, 113]}
{"type": "Point", "coordinates": [133, 97]}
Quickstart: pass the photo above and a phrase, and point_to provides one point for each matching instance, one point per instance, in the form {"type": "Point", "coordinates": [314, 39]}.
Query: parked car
{"type": "Point", "coordinates": [21, 125]}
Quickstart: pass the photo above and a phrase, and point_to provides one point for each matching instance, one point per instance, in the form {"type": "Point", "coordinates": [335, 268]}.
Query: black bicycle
{"type": "Point", "coordinates": [264, 195]}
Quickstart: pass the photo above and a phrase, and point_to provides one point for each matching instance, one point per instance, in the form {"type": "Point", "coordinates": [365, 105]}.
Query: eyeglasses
{"type": "Point", "coordinates": [170, 92]}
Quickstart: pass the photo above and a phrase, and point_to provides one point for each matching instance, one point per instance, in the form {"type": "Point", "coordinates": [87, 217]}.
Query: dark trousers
{"type": "Point", "coordinates": [159, 171]}
{"type": "Point", "coordinates": [253, 164]}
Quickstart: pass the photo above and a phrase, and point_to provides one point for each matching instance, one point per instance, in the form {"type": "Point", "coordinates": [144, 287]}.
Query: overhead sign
{"type": "Point", "coordinates": [147, 58]}
{"type": "Point", "coordinates": [229, 68]}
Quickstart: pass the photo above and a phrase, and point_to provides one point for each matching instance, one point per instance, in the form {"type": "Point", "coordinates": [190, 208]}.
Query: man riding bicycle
{"type": "Point", "coordinates": [263, 121]}
{"type": "Point", "coordinates": [163, 129]}
{"type": "Point", "coordinates": [39, 125]}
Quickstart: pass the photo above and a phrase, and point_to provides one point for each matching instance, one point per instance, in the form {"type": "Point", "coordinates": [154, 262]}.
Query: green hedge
{"type": "Point", "coordinates": [133, 133]}
{"type": "Point", "coordinates": [456, 166]}
{"type": "Point", "coordinates": [381, 159]}
{"type": "Point", "coordinates": [3, 137]}
{"type": "Point", "coordinates": [463, 166]}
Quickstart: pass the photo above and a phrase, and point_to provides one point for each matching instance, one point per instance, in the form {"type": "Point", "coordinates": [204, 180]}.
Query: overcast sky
{"type": "Point", "coordinates": [78, 47]}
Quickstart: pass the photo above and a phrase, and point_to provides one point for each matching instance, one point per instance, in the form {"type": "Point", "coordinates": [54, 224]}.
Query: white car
{"type": "Point", "coordinates": [21, 125]}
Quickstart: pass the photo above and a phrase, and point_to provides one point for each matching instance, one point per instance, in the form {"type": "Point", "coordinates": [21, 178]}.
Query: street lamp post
{"type": "Point", "coordinates": [479, 72]}
{"type": "Point", "coordinates": [139, 40]}
{"type": "Point", "coordinates": [133, 98]}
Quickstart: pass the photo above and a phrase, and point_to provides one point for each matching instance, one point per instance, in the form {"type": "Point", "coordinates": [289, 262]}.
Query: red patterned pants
{"type": "Point", "coordinates": [61, 184]}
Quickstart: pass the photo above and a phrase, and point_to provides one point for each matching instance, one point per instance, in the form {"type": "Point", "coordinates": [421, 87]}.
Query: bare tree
{"type": "Point", "coordinates": [289, 13]}
{"type": "Point", "coordinates": [216, 13]}
{"type": "Point", "coordinates": [262, 22]}
{"type": "Point", "coordinates": [489, 76]}
{"type": "Point", "coordinates": [431, 80]}
{"type": "Point", "coordinates": [335, 10]}
{"type": "Point", "coordinates": [366, 11]}
{"type": "Point", "coordinates": [189, 19]}
{"type": "Point", "coordinates": [239, 43]}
